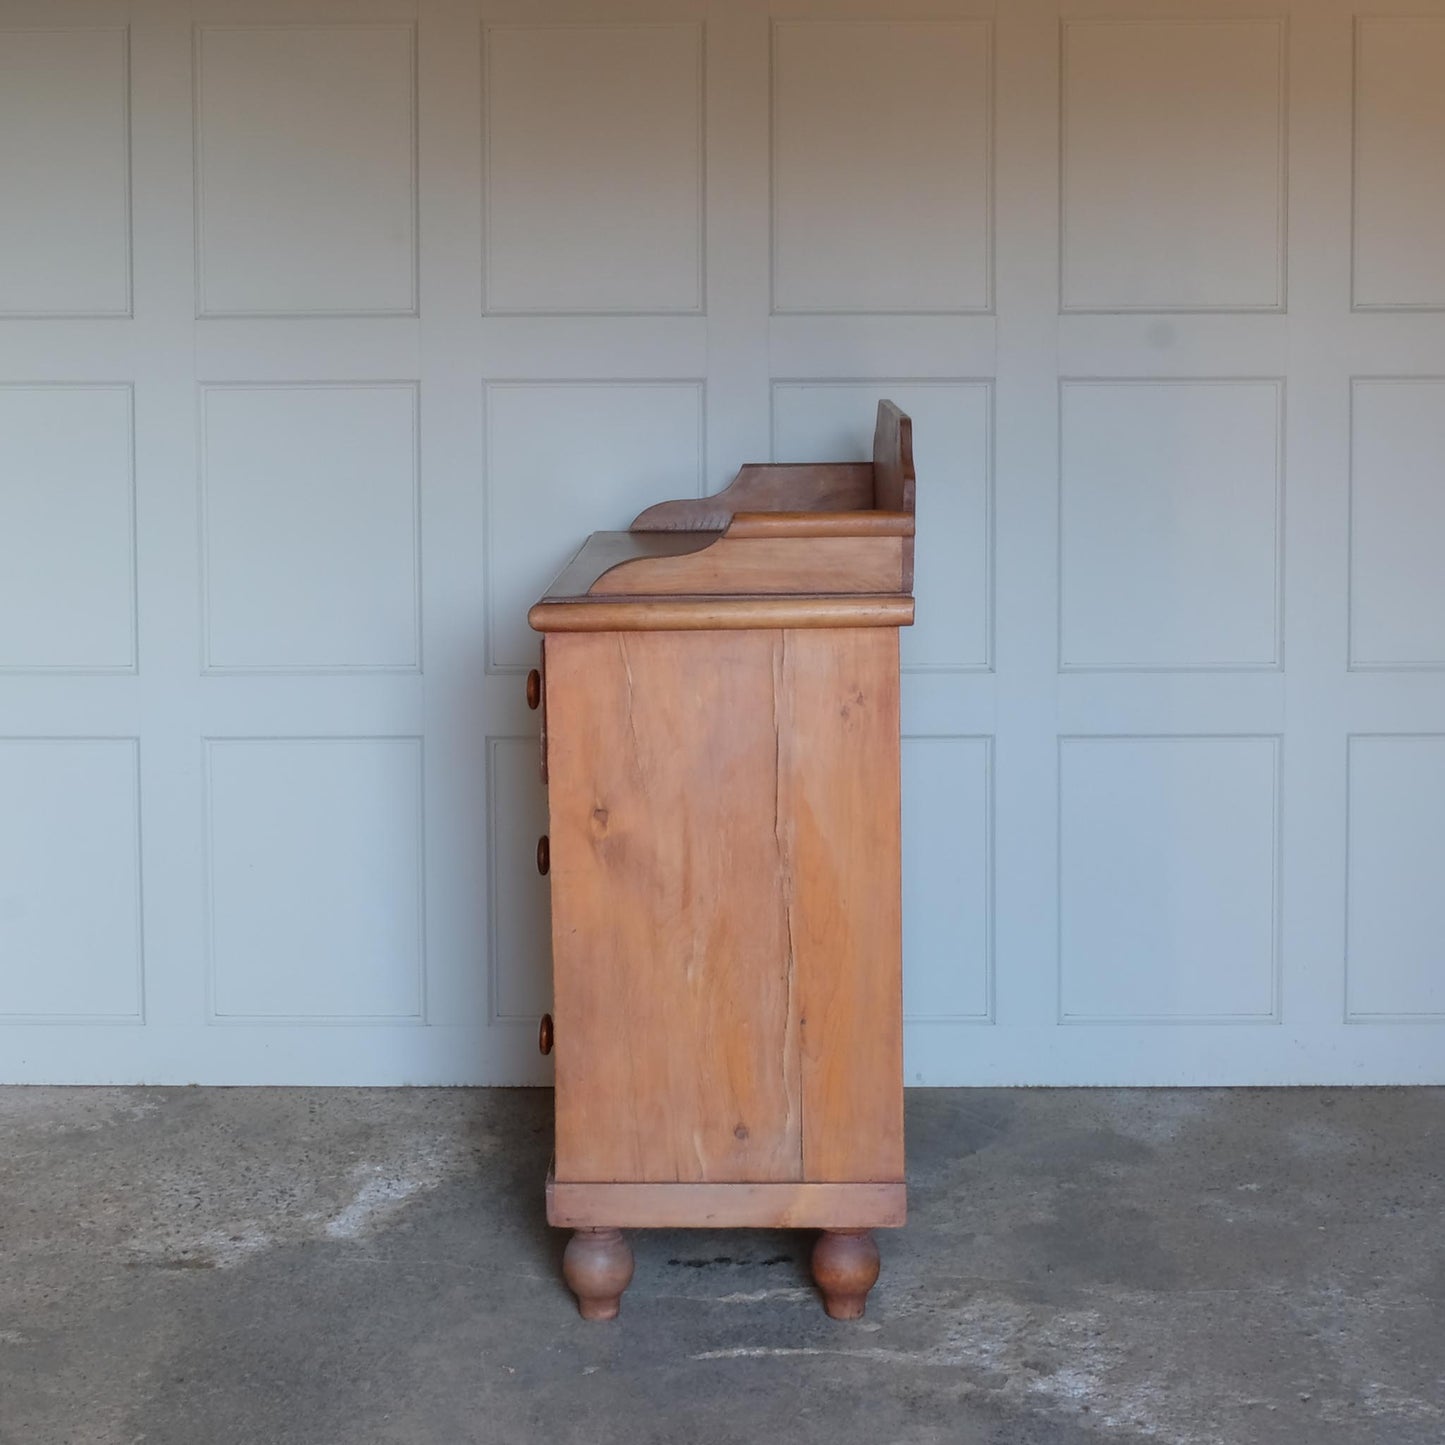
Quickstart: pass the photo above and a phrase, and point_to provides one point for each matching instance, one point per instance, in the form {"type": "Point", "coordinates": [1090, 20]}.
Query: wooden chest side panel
{"type": "Point", "coordinates": [676, 1043]}
{"type": "Point", "coordinates": [839, 786]}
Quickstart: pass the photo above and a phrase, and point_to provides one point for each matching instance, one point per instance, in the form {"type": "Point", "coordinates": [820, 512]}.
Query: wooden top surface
{"type": "Point", "coordinates": [603, 551]}
{"type": "Point", "coordinates": [776, 537]}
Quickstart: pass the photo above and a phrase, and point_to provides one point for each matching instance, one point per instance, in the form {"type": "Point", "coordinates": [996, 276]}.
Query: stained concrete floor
{"type": "Point", "coordinates": [350, 1267]}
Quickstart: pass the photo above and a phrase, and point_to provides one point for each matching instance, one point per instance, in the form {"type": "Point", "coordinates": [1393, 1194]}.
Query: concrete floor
{"type": "Point", "coordinates": [252, 1267]}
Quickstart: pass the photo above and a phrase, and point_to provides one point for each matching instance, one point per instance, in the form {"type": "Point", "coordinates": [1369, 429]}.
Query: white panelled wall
{"type": "Point", "coordinates": [329, 327]}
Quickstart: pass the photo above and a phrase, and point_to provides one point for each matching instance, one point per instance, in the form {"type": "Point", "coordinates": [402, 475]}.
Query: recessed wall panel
{"type": "Point", "coordinates": [310, 527]}
{"type": "Point", "coordinates": [1397, 523]}
{"type": "Point", "coordinates": [64, 173]}
{"type": "Point", "coordinates": [70, 881]}
{"type": "Point", "coordinates": [594, 170]}
{"type": "Point", "coordinates": [1395, 964]}
{"type": "Point", "coordinates": [520, 896]}
{"type": "Point", "coordinates": [833, 421]}
{"type": "Point", "coordinates": [306, 170]}
{"type": "Point", "coordinates": [314, 853]}
{"type": "Point", "coordinates": [565, 459]}
{"type": "Point", "coordinates": [67, 536]}
{"type": "Point", "coordinates": [1173, 165]}
{"type": "Point", "coordinates": [1168, 886]}
{"type": "Point", "coordinates": [881, 165]}
{"type": "Point", "coordinates": [1170, 499]}
{"type": "Point", "coordinates": [947, 878]}
{"type": "Point", "coordinates": [1399, 261]}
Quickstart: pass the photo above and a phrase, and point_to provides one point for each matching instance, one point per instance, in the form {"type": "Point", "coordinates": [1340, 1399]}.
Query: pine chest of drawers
{"type": "Point", "coordinates": [721, 749]}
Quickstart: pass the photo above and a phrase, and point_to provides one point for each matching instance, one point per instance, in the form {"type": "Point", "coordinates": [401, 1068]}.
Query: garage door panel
{"type": "Point", "coordinates": [327, 332]}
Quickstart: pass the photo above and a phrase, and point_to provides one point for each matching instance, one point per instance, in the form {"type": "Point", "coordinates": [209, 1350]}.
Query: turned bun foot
{"type": "Point", "coordinates": [597, 1265]}
{"type": "Point", "coordinates": [845, 1268]}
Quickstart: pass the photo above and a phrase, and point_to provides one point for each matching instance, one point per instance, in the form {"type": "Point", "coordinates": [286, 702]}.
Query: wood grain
{"type": "Point", "coordinates": [845, 1268]}
{"type": "Point", "coordinates": [774, 565]}
{"type": "Point", "coordinates": [894, 479]}
{"type": "Point", "coordinates": [722, 716]}
{"type": "Point", "coordinates": [597, 1265]}
{"type": "Point", "coordinates": [789, 487]}
{"type": "Point", "coordinates": [839, 795]}
{"type": "Point", "coordinates": [542, 728]}
{"type": "Point", "coordinates": [725, 904]}
{"type": "Point", "coordinates": [727, 1206]}
{"type": "Point", "coordinates": [778, 554]}
{"type": "Point", "coordinates": [712, 614]}
{"type": "Point", "coordinates": [604, 550]}
{"type": "Point", "coordinates": [676, 1044]}
{"type": "Point", "coordinates": [821, 524]}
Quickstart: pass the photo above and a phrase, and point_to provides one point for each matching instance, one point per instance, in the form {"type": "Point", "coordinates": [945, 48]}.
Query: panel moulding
{"type": "Point", "coordinates": [1355, 663]}
{"type": "Point", "coordinates": [698, 307]}
{"type": "Point", "coordinates": [1348, 1015]}
{"type": "Point", "coordinates": [989, 1014]}
{"type": "Point", "coordinates": [205, 311]}
{"type": "Point", "coordinates": [986, 306]}
{"type": "Point", "coordinates": [137, 1017]}
{"type": "Point", "coordinates": [125, 311]}
{"type": "Point", "coordinates": [1274, 663]}
{"type": "Point", "coordinates": [1278, 303]}
{"type": "Point", "coordinates": [1274, 1015]}
{"type": "Point", "coordinates": [132, 591]}
{"type": "Point", "coordinates": [417, 1018]}
{"type": "Point", "coordinates": [208, 665]}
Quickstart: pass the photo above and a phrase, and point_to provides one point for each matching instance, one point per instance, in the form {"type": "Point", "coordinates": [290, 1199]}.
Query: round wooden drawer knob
{"type": "Point", "coordinates": [534, 689]}
{"type": "Point", "coordinates": [544, 1034]}
{"type": "Point", "coordinates": [544, 855]}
